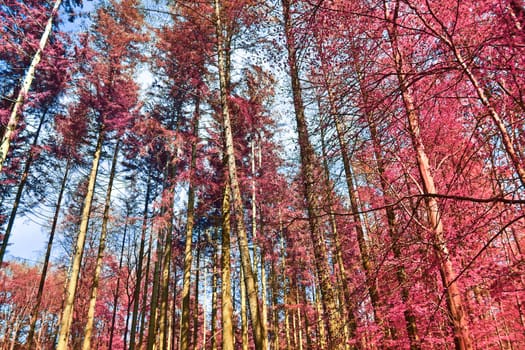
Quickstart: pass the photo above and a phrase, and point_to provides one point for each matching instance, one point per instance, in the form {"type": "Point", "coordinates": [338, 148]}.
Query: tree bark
{"type": "Point", "coordinates": [246, 264]}
{"type": "Point", "coordinates": [226, 299]}
{"type": "Point", "coordinates": [393, 230]}
{"type": "Point", "coordinates": [24, 90]}
{"type": "Point", "coordinates": [67, 313]}
{"type": "Point", "coordinates": [88, 330]}
{"type": "Point", "coordinates": [116, 295]}
{"type": "Point", "coordinates": [307, 166]}
{"type": "Point", "coordinates": [196, 293]}
{"type": "Point", "coordinates": [136, 291]}
{"type": "Point", "coordinates": [185, 317]}
{"type": "Point", "coordinates": [456, 310]}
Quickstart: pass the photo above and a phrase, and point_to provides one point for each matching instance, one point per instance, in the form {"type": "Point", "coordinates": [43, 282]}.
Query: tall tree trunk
{"type": "Point", "coordinates": [67, 313]}
{"type": "Point", "coordinates": [145, 293]}
{"type": "Point", "coordinates": [116, 295]}
{"type": "Point", "coordinates": [185, 317]}
{"type": "Point", "coordinates": [165, 263]}
{"type": "Point", "coordinates": [258, 257]}
{"type": "Point", "coordinates": [346, 303]}
{"type": "Point", "coordinates": [214, 305]}
{"type": "Point", "coordinates": [45, 266]}
{"type": "Point", "coordinates": [456, 310]}
{"type": "Point", "coordinates": [226, 299]}
{"type": "Point", "coordinates": [246, 264]}
{"type": "Point", "coordinates": [322, 331]}
{"type": "Point", "coordinates": [88, 330]}
{"type": "Point", "coordinates": [275, 305]}
{"type": "Point", "coordinates": [154, 301]}
{"type": "Point", "coordinates": [196, 293]}
{"type": "Point", "coordinates": [244, 315]}
{"type": "Point", "coordinates": [364, 250]}
{"type": "Point", "coordinates": [165, 283]}
{"type": "Point", "coordinates": [136, 291]}
{"type": "Point", "coordinates": [22, 94]}
{"type": "Point", "coordinates": [307, 166]}
{"type": "Point", "coordinates": [393, 230]}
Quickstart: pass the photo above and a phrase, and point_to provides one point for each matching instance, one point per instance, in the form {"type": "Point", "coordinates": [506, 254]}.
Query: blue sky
{"type": "Point", "coordinates": [27, 241]}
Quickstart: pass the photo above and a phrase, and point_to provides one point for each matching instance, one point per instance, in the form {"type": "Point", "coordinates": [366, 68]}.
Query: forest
{"type": "Point", "coordinates": [263, 174]}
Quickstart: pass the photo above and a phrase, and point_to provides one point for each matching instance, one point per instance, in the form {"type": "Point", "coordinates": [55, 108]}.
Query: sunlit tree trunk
{"type": "Point", "coordinates": [22, 94]}
{"type": "Point", "coordinates": [274, 285]}
{"type": "Point", "coordinates": [67, 313]}
{"type": "Point", "coordinates": [322, 332]}
{"type": "Point", "coordinates": [214, 304]}
{"type": "Point", "coordinates": [165, 280]}
{"type": "Point", "coordinates": [154, 301]}
{"type": "Point", "coordinates": [246, 264]}
{"type": "Point", "coordinates": [307, 326]}
{"type": "Point", "coordinates": [258, 257]}
{"type": "Point", "coordinates": [88, 330]}
{"type": "Point", "coordinates": [244, 315]}
{"type": "Point", "coordinates": [140, 262]}
{"type": "Point", "coordinates": [287, 329]}
{"type": "Point", "coordinates": [307, 166]}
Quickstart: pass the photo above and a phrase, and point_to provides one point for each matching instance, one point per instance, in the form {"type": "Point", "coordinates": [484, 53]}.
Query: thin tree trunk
{"type": "Point", "coordinates": [227, 306]}
{"type": "Point", "coordinates": [456, 310]}
{"type": "Point", "coordinates": [307, 166]}
{"type": "Point", "coordinates": [287, 329]}
{"type": "Point", "coordinates": [185, 317]}
{"type": "Point", "coordinates": [366, 262]}
{"type": "Point", "coordinates": [196, 293]}
{"type": "Point", "coordinates": [204, 327]}
{"type": "Point", "coordinates": [165, 282]}
{"type": "Point", "coordinates": [321, 325]}
{"type": "Point", "coordinates": [43, 275]}
{"type": "Point", "coordinates": [152, 326]}
{"type": "Point", "coordinates": [22, 94]}
{"type": "Point", "coordinates": [136, 292]}
{"type": "Point", "coordinates": [244, 315]}
{"type": "Point", "coordinates": [346, 303]}
{"type": "Point", "coordinates": [307, 328]}
{"type": "Point", "coordinates": [275, 302]}
{"type": "Point", "coordinates": [145, 293]}
{"type": "Point", "coordinates": [249, 278]}
{"type": "Point", "coordinates": [88, 330]}
{"type": "Point", "coordinates": [117, 289]}
{"type": "Point", "coordinates": [214, 299]}
{"type": "Point", "coordinates": [258, 257]}
{"type": "Point", "coordinates": [393, 230]}
{"type": "Point", "coordinates": [165, 264]}
{"type": "Point", "coordinates": [67, 313]}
